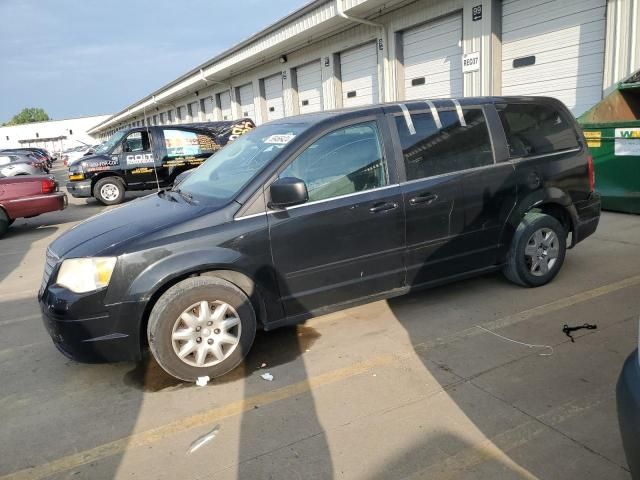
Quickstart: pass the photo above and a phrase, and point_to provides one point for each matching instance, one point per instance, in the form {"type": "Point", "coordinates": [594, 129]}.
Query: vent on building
{"type": "Point", "coordinates": [271, 109]}
{"type": "Point", "coordinates": [524, 61]}
{"type": "Point", "coordinates": [305, 103]}
{"type": "Point", "coordinates": [351, 94]}
{"type": "Point", "coordinates": [418, 81]}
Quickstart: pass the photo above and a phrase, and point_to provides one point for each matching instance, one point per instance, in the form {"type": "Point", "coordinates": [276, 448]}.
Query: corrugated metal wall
{"type": "Point", "coordinates": [333, 37]}
{"type": "Point", "coordinates": [622, 55]}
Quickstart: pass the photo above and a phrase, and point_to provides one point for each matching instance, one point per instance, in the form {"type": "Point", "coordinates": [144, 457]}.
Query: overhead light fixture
{"type": "Point", "coordinates": [283, 59]}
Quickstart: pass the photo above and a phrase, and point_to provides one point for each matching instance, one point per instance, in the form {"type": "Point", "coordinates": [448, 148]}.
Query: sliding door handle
{"type": "Point", "coordinates": [383, 207]}
{"type": "Point", "coordinates": [424, 198]}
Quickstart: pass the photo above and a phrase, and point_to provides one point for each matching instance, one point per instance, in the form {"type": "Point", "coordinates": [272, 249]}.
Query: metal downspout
{"type": "Point", "coordinates": [385, 40]}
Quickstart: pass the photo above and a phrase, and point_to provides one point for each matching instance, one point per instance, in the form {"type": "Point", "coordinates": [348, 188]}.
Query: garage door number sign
{"type": "Point", "coordinates": [476, 13]}
{"type": "Point", "coordinates": [471, 62]}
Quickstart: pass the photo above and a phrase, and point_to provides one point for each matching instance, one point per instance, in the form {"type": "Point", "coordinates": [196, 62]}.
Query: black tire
{"type": "Point", "coordinates": [519, 267]}
{"type": "Point", "coordinates": [5, 221]}
{"type": "Point", "coordinates": [179, 298]}
{"type": "Point", "coordinates": [115, 185]}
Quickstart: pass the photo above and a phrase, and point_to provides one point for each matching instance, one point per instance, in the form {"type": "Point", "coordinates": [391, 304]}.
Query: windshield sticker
{"type": "Point", "coordinates": [279, 139]}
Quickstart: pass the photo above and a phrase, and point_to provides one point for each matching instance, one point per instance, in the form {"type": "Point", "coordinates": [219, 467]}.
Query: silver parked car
{"type": "Point", "coordinates": [16, 164]}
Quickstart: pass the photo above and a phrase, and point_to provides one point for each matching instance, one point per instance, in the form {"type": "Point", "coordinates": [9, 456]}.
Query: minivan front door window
{"type": "Point", "coordinates": [136, 142]}
{"type": "Point", "coordinates": [347, 160]}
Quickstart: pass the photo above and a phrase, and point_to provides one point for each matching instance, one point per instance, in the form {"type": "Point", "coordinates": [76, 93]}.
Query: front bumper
{"type": "Point", "coordinates": [84, 329]}
{"type": "Point", "coordinates": [80, 189]}
{"type": "Point", "coordinates": [628, 399]}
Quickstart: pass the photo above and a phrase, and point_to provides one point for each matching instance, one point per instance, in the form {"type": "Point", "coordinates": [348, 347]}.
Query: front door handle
{"type": "Point", "coordinates": [424, 198]}
{"type": "Point", "coordinates": [383, 207]}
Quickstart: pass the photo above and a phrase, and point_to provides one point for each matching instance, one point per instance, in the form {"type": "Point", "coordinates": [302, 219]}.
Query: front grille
{"type": "Point", "coordinates": [51, 260]}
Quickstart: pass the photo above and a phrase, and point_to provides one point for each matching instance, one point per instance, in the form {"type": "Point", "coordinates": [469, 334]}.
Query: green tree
{"type": "Point", "coordinates": [29, 115]}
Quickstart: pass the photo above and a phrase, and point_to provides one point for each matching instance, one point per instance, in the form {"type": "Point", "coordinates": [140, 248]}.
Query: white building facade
{"type": "Point", "coordinates": [341, 53]}
{"type": "Point", "coordinates": [54, 135]}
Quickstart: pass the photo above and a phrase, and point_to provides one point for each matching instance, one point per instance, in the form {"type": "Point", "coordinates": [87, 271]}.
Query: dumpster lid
{"type": "Point", "coordinates": [632, 82]}
{"type": "Point", "coordinates": [620, 106]}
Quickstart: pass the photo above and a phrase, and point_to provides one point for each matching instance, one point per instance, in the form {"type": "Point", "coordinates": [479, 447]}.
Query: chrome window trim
{"type": "Point", "coordinates": [544, 155]}
{"type": "Point", "coordinates": [482, 167]}
{"type": "Point", "coordinates": [324, 200]}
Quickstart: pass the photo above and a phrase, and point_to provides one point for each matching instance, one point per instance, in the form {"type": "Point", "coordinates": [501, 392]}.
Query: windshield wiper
{"type": "Point", "coordinates": [186, 196]}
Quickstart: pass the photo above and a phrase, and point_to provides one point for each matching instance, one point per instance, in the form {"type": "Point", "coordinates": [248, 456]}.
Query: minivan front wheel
{"type": "Point", "coordinates": [537, 251]}
{"type": "Point", "coordinates": [109, 190]}
{"type": "Point", "coordinates": [202, 326]}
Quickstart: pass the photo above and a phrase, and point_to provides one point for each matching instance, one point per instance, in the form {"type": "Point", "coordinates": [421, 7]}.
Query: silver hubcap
{"type": "Point", "coordinates": [206, 333]}
{"type": "Point", "coordinates": [109, 191]}
{"type": "Point", "coordinates": [541, 252]}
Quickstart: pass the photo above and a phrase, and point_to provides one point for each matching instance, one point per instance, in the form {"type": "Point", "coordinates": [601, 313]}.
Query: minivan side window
{"type": "Point", "coordinates": [535, 129]}
{"type": "Point", "coordinates": [434, 151]}
{"type": "Point", "coordinates": [347, 160]}
{"type": "Point", "coordinates": [181, 143]}
{"type": "Point", "coordinates": [136, 142]}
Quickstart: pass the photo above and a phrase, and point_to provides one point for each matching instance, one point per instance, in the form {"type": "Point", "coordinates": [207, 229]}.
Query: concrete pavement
{"type": "Point", "coordinates": [405, 388]}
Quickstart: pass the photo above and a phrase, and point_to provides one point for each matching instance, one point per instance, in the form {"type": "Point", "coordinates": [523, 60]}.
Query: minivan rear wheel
{"type": "Point", "coordinates": [537, 250]}
{"type": "Point", "coordinates": [202, 326]}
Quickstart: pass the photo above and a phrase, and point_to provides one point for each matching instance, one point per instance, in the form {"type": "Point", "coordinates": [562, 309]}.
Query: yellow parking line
{"type": "Point", "coordinates": [236, 408]}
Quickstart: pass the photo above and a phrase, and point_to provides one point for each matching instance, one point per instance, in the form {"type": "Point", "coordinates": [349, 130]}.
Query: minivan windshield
{"type": "Point", "coordinates": [109, 144]}
{"type": "Point", "coordinates": [229, 169]}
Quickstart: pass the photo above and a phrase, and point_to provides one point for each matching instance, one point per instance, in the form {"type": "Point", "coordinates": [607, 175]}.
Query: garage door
{"type": "Point", "coordinates": [309, 79]}
{"type": "Point", "coordinates": [224, 100]}
{"type": "Point", "coordinates": [433, 59]}
{"type": "Point", "coordinates": [554, 48]}
{"type": "Point", "coordinates": [193, 112]}
{"type": "Point", "coordinates": [359, 74]}
{"type": "Point", "coordinates": [273, 97]}
{"type": "Point", "coordinates": [181, 114]}
{"type": "Point", "coordinates": [245, 98]}
{"type": "Point", "coordinates": [207, 108]}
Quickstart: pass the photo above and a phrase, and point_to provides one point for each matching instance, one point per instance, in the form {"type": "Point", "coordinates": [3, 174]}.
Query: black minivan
{"type": "Point", "coordinates": [314, 213]}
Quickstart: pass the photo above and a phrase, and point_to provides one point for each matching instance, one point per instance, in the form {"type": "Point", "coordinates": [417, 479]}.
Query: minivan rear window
{"type": "Point", "coordinates": [536, 129]}
{"type": "Point", "coordinates": [434, 151]}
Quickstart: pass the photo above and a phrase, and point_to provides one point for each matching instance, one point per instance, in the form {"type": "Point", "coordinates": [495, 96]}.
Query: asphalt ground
{"type": "Point", "coordinates": [406, 388]}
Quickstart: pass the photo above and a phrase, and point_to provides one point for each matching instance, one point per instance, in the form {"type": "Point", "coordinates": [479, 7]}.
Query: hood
{"type": "Point", "coordinates": [122, 224]}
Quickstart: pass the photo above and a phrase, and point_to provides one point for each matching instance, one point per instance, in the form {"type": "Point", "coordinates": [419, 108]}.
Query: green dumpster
{"type": "Point", "coordinates": [612, 131]}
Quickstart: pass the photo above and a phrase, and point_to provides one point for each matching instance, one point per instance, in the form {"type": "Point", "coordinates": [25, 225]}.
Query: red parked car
{"type": "Point", "coordinates": [28, 196]}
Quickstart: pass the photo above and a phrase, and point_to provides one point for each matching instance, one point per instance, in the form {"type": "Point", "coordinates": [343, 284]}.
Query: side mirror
{"type": "Point", "coordinates": [287, 192]}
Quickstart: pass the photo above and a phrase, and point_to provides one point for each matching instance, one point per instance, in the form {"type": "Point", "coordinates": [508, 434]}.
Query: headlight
{"type": "Point", "coordinates": [81, 275]}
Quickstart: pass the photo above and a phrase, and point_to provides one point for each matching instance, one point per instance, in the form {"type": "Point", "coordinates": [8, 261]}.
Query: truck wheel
{"type": "Point", "coordinates": [537, 251]}
{"type": "Point", "coordinates": [5, 221]}
{"type": "Point", "coordinates": [202, 326]}
{"type": "Point", "coordinates": [109, 190]}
